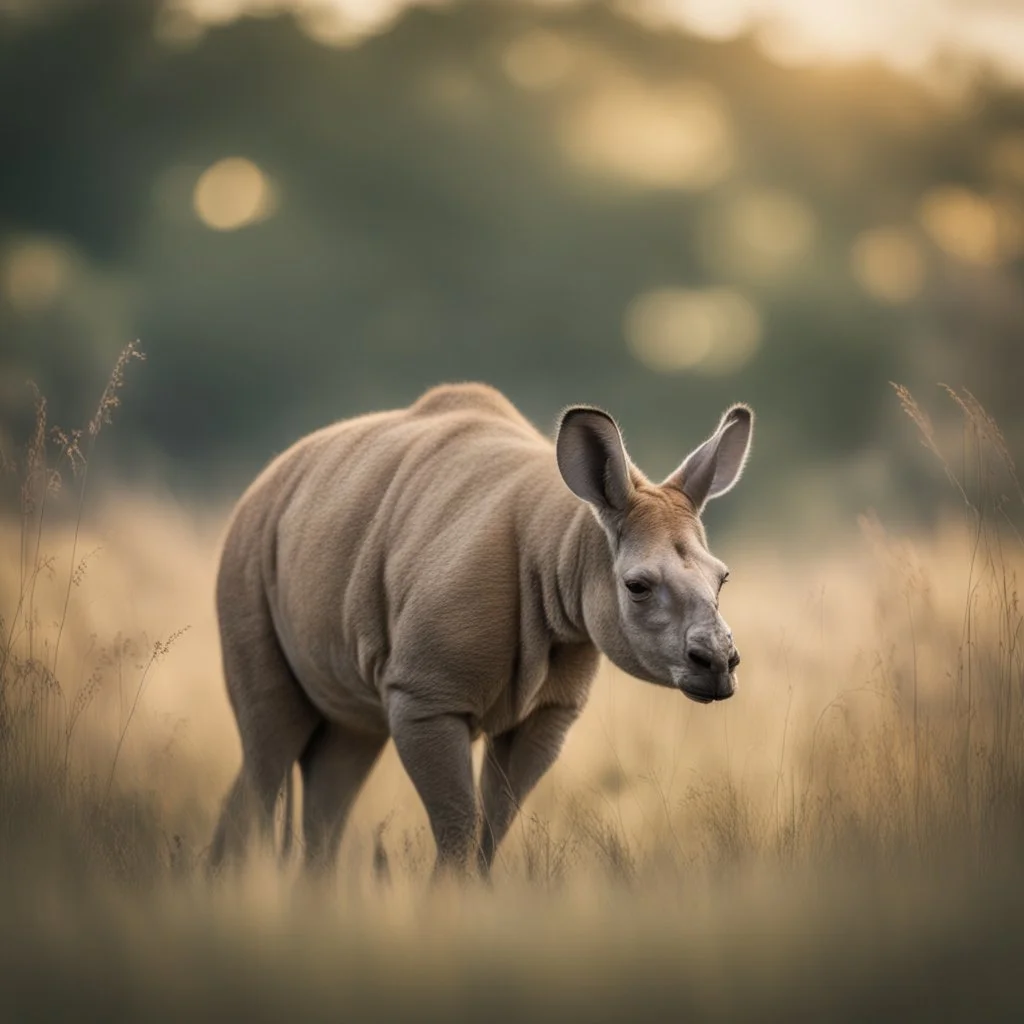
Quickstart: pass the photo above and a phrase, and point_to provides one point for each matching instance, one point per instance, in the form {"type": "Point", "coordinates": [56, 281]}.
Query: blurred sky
{"type": "Point", "coordinates": [909, 34]}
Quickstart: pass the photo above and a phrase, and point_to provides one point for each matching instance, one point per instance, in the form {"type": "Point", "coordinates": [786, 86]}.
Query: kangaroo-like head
{"type": "Point", "coordinates": [662, 623]}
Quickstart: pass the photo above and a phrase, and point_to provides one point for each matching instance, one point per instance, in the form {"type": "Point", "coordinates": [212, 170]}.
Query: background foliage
{"type": "Point", "coordinates": [490, 191]}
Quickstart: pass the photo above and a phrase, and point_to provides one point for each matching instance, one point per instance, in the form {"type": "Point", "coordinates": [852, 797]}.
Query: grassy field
{"type": "Point", "coordinates": [842, 839]}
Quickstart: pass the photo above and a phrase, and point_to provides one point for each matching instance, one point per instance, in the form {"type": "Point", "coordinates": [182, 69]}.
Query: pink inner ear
{"type": "Point", "coordinates": [733, 445]}
{"type": "Point", "coordinates": [697, 474]}
{"type": "Point", "coordinates": [592, 459]}
{"type": "Point", "coordinates": [715, 466]}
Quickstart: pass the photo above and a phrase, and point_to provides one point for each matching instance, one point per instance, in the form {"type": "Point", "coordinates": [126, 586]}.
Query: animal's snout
{"type": "Point", "coordinates": [701, 658]}
{"type": "Point", "coordinates": [706, 658]}
{"type": "Point", "coordinates": [715, 662]}
{"type": "Point", "coordinates": [725, 687]}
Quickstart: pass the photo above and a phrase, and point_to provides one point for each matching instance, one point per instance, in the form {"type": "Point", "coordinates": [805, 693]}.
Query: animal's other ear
{"type": "Point", "coordinates": [714, 467]}
{"type": "Point", "coordinates": [592, 459]}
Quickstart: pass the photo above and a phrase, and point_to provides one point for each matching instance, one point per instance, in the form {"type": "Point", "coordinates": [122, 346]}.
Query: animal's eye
{"type": "Point", "coordinates": [638, 589]}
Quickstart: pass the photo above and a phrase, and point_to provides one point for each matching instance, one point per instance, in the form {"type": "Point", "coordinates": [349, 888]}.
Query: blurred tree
{"type": "Point", "coordinates": [489, 191]}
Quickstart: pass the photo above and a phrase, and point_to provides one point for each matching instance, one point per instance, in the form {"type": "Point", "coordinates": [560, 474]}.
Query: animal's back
{"type": "Point", "coordinates": [395, 538]}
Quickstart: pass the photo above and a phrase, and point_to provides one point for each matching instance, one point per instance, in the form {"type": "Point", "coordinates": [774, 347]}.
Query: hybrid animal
{"type": "Point", "coordinates": [443, 572]}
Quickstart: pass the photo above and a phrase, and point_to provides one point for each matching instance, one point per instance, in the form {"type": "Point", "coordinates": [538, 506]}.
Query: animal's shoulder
{"type": "Point", "coordinates": [469, 397]}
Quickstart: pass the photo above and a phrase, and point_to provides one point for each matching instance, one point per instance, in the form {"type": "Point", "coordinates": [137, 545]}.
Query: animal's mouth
{"type": "Point", "coordinates": [682, 681]}
{"type": "Point", "coordinates": [697, 698]}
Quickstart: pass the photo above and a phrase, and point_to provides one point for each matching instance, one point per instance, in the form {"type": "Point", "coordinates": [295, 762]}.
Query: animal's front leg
{"type": "Point", "coordinates": [436, 752]}
{"type": "Point", "coordinates": [514, 764]}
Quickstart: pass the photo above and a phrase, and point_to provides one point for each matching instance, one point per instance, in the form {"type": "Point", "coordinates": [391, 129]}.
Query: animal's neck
{"type": "Point", "coordinates": [577, 540]}
{"type": "Point", "coordinates": [559, 542]}
{"type": "Point", "coordinates": [588, 590]}
{"type": "Point", "coordinates": [584, 580]}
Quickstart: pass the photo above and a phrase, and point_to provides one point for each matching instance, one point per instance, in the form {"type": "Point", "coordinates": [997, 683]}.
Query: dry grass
{"type": "Point", "coordinates": [866, 787]}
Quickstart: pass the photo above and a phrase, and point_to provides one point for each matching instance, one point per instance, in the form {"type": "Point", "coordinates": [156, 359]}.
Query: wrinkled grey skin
{"type": "Point", "coordinates": [427, 575]}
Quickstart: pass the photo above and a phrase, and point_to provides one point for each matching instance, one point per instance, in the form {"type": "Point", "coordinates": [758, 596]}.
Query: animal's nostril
{"type": "Point", "coordinates": [734, 659]}
{"type": "Point", "coordinates": [699, 658]}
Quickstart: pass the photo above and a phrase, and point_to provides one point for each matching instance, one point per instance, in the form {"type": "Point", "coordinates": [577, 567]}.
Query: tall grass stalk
{"type": "Point", "coordinates": [40, 707]}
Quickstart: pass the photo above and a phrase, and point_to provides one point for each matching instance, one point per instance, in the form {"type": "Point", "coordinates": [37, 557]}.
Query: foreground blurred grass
{"type": "Point", "coordinates": [842, 839]}
{"type": "Point", "coordinates": [794, 949]}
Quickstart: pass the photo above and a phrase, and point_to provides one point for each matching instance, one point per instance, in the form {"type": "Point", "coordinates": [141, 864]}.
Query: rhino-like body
{"type": "Point", "coordinates": [425, 574]}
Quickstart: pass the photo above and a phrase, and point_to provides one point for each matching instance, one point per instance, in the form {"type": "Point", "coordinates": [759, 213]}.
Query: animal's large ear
{"type": "Point", "coordinates": [714, 467]}
{"type": "Point", "coordinates": [592, 458]}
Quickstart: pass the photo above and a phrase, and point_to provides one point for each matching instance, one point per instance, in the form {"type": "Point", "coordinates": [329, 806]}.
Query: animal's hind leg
{"type": "Point", "coordinates": [228, 836]}
{"type": "Point", "coordinates": [334, 766]}
{"type": "Point", "coordinates": [275, 721]}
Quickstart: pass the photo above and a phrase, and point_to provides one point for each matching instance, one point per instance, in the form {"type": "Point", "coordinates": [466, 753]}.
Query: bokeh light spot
{"type": "Point", "coordinates": [887, 263]}
{"type": "Point", "coordinates": [712, 331]}
{"type": "Point", "coordinates": [674, 137]}
{"type": "Point", "coordinates": [760, 233]}
{"type": "Point", "coordinates": [345, 23]}
{"type": "Point", "coordinates": [962, 223]}
{"type": "Point", "coordinates": [32, 275]}
{"type": "Point", "coordinates": [232, 194]}
{"type": "Point", "coordinates": [775, 227]}
{"type": "Point", "coordinates": [215, 12]}
{"type": "Point", "coordinates": [329, 26]}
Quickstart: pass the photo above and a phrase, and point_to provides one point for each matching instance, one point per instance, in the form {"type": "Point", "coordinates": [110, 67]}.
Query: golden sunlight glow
{"type": "Point", "coordinates": [887, 263]}
{"type": "Point", "coordinates": [330, 22]}
{"type": "Point", "coordinates": [712, 331]}
{"type": "Point", "coordinates": [654, 136]}
{"type": "Point", "coordinates": [217, 12]}
{"type": "Point", "coordinates": [537, 60]}
{"type": "Point", "coordinates": [805, 31]}
{"type": "Point", "coordinates": [347, 23]}
{"type": "Point", "coordinates": [232, 194]}
{"type": "Point", "coordinates": [962, 223]}
{"type": "Point", "coordinates": [906, 35]}
{"type": "Point", "coordinates": [328, 26]}
{"type": "Point", "coordinates": [32, 275]}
